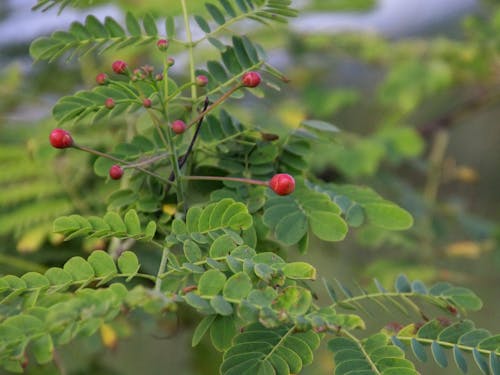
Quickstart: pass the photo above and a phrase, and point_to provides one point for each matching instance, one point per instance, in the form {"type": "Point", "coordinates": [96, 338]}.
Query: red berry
{"type": "Point", "coordinates": [178, 126]}
{"type": "Point", "coordinates": [101, 78]}
{"type": "Point", "coordinates": [60, 138]}
{"type": "Point", "coordinates": [119, 67]}
{"type": "Point", "coordinates": [162, 44]}
{"type": "Point", "coordinates": [147, 103]}
{"type": "Point", "coordinates": [109, 103]}
{"type": "Point", "coordinates": [251, 79]}
{"type": "Point", "coordinates": [116, 172]}
{"type": "Point", "coordinates": [282, 184]}
{"type": "Point", "coordinates": [201, 80]}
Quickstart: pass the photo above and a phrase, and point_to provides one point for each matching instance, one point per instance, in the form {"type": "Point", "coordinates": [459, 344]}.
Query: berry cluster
{"type": "Point", "coordinates": [281, 184]}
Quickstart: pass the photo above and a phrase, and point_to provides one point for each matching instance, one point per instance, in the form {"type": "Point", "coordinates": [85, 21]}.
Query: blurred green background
{"type": "Point", "coordinates": [415, 88]}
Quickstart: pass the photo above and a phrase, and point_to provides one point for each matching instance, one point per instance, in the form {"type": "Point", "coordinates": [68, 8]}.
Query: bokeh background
{"type": "Point", "coordinates": [414, 85]}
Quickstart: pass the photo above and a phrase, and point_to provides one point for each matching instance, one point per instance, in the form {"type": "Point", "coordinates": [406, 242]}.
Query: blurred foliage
{"type": "Point", "coordinates": [397, 106]}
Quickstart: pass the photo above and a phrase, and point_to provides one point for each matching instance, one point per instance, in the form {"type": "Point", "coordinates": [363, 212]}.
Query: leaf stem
{"type": "Point", "coordinates": [161, 268]}
{"type": "Point", "coordinates": [190, 47]}
{"type": "Point", "coordinates": [118, 160]}
{"type": "Point", "coordinates": [221, 178]}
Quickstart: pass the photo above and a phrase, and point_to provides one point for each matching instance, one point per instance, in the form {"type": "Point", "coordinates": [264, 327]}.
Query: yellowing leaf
{"type": "Point", "coordinates": [169, 209]}
{"type": "Point", "coordinates": [108, 336]}
{"type": "Point", "coordinates": [465, 249]}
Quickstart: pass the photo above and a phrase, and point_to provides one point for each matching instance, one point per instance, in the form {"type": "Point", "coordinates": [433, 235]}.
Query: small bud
{"type": "Point", "coordinates": [116, 172]}
{"type": "Point", "coordinates": [162, 44]}
{"type": "Point", "coordinates": [201, 80]}
{"type": "Point", "coordinates": [147, 103]}
{"type": "Point", "coordinates": [178, 126]}
{"type": "Point", "coordinates": [170, 61]}
{"type": "Point", "coordinates": [148, 69]}
{"type": "Point", "coordinates": [159, 77]}
{"type": "Point", "coordinates": [101, 78]}
{"type": "Point", "coordinates": [109, 103]}
{"type": "Point", "coordinates": [251, 79]}
{"type": "Point", "coordinates": [282, 184]}
{"type": "Point", "coordinates": [60, 138]}
{"type": "Point", "coordinates": [119, 67]}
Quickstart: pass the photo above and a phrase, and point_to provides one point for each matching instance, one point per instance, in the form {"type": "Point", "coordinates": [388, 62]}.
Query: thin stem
{"type": "Point", "coordinates": [214, 105]}
{"type": "Point", "coordinates": [190, 47]}
{"type": "Point", "coordinates": [443, 343]}
{"type": "Point", "coordinates": [184, 158]}
{"type": "Point", "coordinates": [161, 268]}
{"type": "Point", "coordinates": [436, 158]}
{"type": "Point", "coordinates": [118, 160]}
{"type": "Point", "coordinates": [234, 179]}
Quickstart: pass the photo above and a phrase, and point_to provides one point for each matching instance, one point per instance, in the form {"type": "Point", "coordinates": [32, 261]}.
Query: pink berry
{"type": "Point", "coordinates": [119, 67]}
{"type": "Point", "coordinates": [60, 138]}
{"type": "Point", "coordinates": [109, 103]}
{"type": "Point", "coordinates": [147, 103]}
{"type": "Point", "coordinates": [116, 172]}
{"type": "Point", "coordinates": [162, 44]}
{"type": "Point", "coordinates": [282, 184]}
{"type": "Point", "coordinates": [101, 78]}
{"type": "Point", "coordinates": [178, 126]}
{"type": "Point", "coordinates": [251, 79]}
{"type": "Point", "coordinates": [201, 80]}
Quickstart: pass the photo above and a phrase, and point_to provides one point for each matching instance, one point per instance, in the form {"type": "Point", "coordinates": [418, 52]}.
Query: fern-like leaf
{"type": "Point", "coordinates": [259, 350]}
{"type": "Point", "coordinates": [111, 225]}
{"type": "Point", "coordinates": [82, 38]}
{"type": "Point", "coordinates": [373, 356]}
{"type": "Point", "coordinates": [459, 338]}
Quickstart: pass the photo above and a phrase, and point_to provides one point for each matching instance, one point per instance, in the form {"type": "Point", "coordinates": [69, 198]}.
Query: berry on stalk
{"type": "Point", "coordinates": [119, 67]}
{"type": "Point", "coordinates": [282, 184]}
{"type": "Point", "coordinates": [201, 80]}
{"type": "Point", "coordinates": [147, 103]}
{"type": "Point", "coordinates": [101, 78]}
{"type": "Point", "coordinates": [109, 103]}
{"type": "Point", "coordinates": [178, 126]}
{"type": "Point", "coordinates": [251, 79]}
{"type": "Point", "coordinates": [60, 138]}
{"type": "Point", "coordinates": [116, 172]}
{"type": "Point", "coordinates": [162, 44]}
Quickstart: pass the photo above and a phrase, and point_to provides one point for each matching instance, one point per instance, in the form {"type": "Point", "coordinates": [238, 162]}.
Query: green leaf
{"type": "Point", "coordinates": [388, 216]}
{"type": "Point", "coordinates": [201, 329]}
{"type": "Point", "coordinates": [192, 251]}
{"type": "Point", "coordinates": [328, 226]}
{"type": "Point", "coordinates": [150, 25]}
{"type": "Point", "coordinates": [79, 269]}
{"type": "Point", "coordinates": [237, 286]}
{"type": "Point", "coordinates": [132, 222]}
{"type": "Point", "coordinates": [222, 246]}
{"type": "Point", "coordinates": [202, 23]}
{"type": "Point", "coordinates": [43, 349]}
{"type": "Point", "coordinates": [321, 126]}
{"type": "Point", "coordinates": [102, 263]}
{"type": "Point", "coordinates": [133, 26]}
{"type": "Point", "coordinates": [128, 263]}
{"type": "Point", "coordinates": [211, 283]}
{"type": "Point", "coordinates": [439, 354]}
{"type": "Point", "coordinates": [294, 300]}
{"type": "Point", "coordinates": [299, 270]}
{"type": "Point", "coordinates": [221, 306]}
{"type": "Point", "coordinates": [222, 332]}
